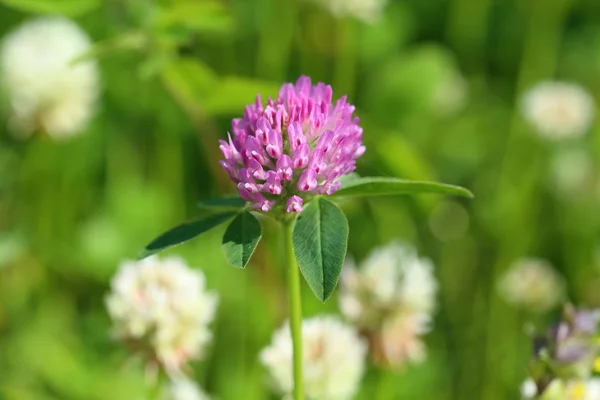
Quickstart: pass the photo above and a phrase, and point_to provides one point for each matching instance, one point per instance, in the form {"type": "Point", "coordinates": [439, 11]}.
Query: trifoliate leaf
{"type": "Point", "coordinates": [380, 186]}
{"type": "Point", "coordinates": [240, 239]}
{"type": "Point", "coordinates": [320, 240]}
{"type": "Point", "coordinates": [183, 233]}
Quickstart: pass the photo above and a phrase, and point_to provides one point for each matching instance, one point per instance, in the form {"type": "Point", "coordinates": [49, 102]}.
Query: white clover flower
{"type": "Point", "coordinates": [561, 390]}
{"type": "Point", "coordinates": [163, 304]}
{"type": "Point", "coordinates": [589, 390]}
{"type": "Point", "coordinates": [556, 390]}
{"type": "Point", "coordinates": [401, 338]}
{"type": "Point", "coordinates": [558, 110]}
{"type": "Point", "coordinates": [44, 91]}
{"type": "Point", "coordinates": [184, 389]}
{"type": "Point", "coordinates": [532, 284]}
{"type": "Point", "coordinates": [391, 297]}
{"type": "Point", "coordinates": [333, 359]}
{"type": "Point", "coordinates": [368, 11]}
{"type": "Point", "coordinates": [391, 278]}
{"type": "Point", "coordinates": [528, 389]}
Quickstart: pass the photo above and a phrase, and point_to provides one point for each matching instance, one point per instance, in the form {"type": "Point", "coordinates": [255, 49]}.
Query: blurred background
{"type": "Point", "coordinates": [438, 86]}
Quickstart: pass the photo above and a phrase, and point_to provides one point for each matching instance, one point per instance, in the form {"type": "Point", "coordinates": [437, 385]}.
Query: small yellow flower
{"type": "Point", "coordinates": [597, 365]}
{"type": "Point", "coordinates": [577, 392]}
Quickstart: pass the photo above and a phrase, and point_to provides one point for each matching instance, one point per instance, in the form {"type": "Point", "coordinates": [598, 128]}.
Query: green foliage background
{"type": "Point", "coordinates": [175, 72]}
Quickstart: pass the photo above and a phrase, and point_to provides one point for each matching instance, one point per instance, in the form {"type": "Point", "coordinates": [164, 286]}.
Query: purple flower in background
{"type": "Point", "coordinates": [292, 148]}
{"type": "Point", "coordinates": [575, 336]}
{"type": "Point", "coordinates": [568, 349]}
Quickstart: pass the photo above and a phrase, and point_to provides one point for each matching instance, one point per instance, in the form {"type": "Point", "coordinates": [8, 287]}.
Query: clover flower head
{"type": "Point", "coordinates": [391, 298]}
{"type": "Point", "coordinates": [532, 284]}
{"type": "Point", "coordinates": [401, 339]}
{"type": "Point", "coordinates": [390, 279]}
{"type": "Point", "coordinates": [333, 359]}
{"type": "Point", "coordinates": [44, 91]}
{"type": "Point", "coordinates": [182, 388]}
{"type": "Point", "coordinates": [587, 390]}
{"type": "Point", "coordinates": [568, 350]}
{"type": "Point", "coordinates": [575, 338]}
{"type": "Point", "coordinates": [292, 148]}
{"type": "Point", "coordinates": [528, 389]}
{"type": "Point", "coordinates": [162, 306]}
{"type": "Point", "coordinates": [558, 389]}
{"type": "Point", "coordinates": [558, 110]}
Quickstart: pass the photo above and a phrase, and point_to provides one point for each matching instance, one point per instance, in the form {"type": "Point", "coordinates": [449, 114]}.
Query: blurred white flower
{"type": "Point", "coordinates": [390, 278]}
{"type": "Point", "coordinates": [44, 91]}
{"type": "Point", "coordinates": [368, 11]}
{"type": "Point", "coordinates": [556, 390]}
{"type": "Point", "coordinates": [450, 95]}
{"type": "Point", "coordinates": [333, 357]}
{"type": "Point", "coordinates": [592, 389]}
{"type": "Point", "coordinates": [391, 297]}
{"type": "Point", "coordinates": [560, 390]}
{"type": "Point", "coordinates": [533, 284]}
{"type": "Point", "coordinates": [558, 110]}
{"type": "Point", "coordinates": [584, 390]}
{"type": "Point", "coordinates": [162, 304]}
{"type": "Point", "coordinates": [528, 389]}
{"type": "Point", "coordinates": [401, 338]}
{"type": "Point", "coordinates": [184, 389]}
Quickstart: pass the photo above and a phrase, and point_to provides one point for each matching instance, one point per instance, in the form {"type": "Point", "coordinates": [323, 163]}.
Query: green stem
{"type": "Point", "coordinates": [293, 277]}
{"type": "Point", "coordinates": [385, 385]}
{"type": "Point", "coordinates": [155, 389]}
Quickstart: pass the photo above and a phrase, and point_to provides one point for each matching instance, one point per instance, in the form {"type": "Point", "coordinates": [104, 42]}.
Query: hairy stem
{"type": "Point", "coordinates": [293, 277]}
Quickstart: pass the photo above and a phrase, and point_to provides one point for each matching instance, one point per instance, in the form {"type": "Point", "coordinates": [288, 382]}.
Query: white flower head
{"type": "Point", "coordinates": [392, 297]}
{"type": "Point", "coordinates": [390, 279]}
{"type": "Point", "coordinates": [368, 11]}
{"type": "Point", "coordinates": [333, 359]}
{"type": "Point", "coordinates": [558, 110]}
{"type": "Point", "coordinates": [564, 390]}
{"type": "Point", "coordinates": [532, 284]}
{"type": "Point", "coordinates": [45, 91]}
{"type": "Point", "coordinates": [163, 304]}
{"type": "Point", "coordinates": [586, 390]}
{"type": "Point", "coordinates": [401, 341]}
{"type": "Point", "coordinates": [184, 389]}
{"type": "Point", "coordinates": [528, 389]}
